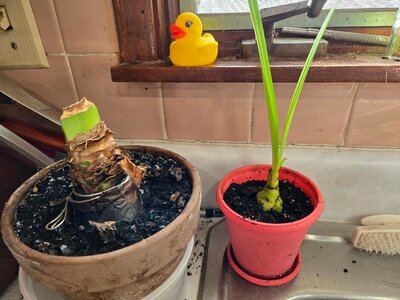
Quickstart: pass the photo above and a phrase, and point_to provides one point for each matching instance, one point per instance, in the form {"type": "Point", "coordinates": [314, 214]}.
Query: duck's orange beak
{"type": "Point", "coordinates": [176, 32]}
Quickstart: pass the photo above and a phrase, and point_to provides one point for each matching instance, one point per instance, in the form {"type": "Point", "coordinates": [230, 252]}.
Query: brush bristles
{"type": "Point", "coordinates": [383, 239]}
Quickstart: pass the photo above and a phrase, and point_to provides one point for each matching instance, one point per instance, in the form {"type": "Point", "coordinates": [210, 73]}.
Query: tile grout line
{"type": "Point", "coordinates": [256, 145]}
{"type": "Point", "coordinates": [349, 115]}
{"type": "Point", "coordinates": [250, 135]}
{"type": "Point", "coordinates": [164, 122]}
{"type": "Point", "coordinates": [65, 54]}
{"type": "Point", "coordinates": [73, 78]}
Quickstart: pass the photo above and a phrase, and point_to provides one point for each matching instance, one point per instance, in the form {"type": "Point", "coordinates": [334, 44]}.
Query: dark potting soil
{"type": "Point", "coordinates": [242, 199]}
{"type": "Point", "coordinates": [164, 178]}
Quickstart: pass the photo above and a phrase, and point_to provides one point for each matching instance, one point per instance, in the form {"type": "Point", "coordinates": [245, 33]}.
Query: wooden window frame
{"type": "Point", "coordinates": [143, 34]}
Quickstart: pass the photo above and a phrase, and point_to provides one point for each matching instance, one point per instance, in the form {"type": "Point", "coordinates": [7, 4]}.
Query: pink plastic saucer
{"type": "Point", "coordinates": [261, 281]}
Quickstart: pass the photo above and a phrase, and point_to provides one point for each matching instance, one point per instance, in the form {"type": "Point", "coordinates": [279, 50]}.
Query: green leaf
{"type": "Point", "coordinates": [268, 84]}
{"type": "Point", "coordinates": [269, 194]}
{"type": "Point", "coordinates": [302, 78]}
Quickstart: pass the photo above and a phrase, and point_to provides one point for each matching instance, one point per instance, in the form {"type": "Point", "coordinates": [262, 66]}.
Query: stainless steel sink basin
{"type": "Point", "coordinates": [331, 269]}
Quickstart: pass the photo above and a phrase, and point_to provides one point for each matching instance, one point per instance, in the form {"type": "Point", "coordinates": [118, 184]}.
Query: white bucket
{"type": "Point", "coordinates": [170, 289]}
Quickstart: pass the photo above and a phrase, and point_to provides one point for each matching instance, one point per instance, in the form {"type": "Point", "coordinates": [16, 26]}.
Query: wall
{"type": "Point", "coordinates": [81, 45]}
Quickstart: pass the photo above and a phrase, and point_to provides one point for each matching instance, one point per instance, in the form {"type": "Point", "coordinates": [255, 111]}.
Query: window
{"type": "Point", "coordinates": [234, 15]}
{"type": "Point", "coordinates": [143, 33]}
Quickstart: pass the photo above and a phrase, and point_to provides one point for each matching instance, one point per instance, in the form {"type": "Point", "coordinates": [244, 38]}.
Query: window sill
{"type": "Point", "coordinates": [357, 68]}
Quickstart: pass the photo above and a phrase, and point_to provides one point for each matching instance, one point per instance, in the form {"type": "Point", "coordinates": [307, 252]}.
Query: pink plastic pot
{"type": "Point", "coordinates": [263, 253]}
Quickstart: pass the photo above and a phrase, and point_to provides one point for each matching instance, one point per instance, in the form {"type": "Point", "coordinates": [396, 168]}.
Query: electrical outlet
{"type": "Point", "coordinates": [20, 43]}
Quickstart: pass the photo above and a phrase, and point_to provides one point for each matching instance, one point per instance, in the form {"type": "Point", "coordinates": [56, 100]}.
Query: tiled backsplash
{"type": "Point", "coordinates": [81, 45]}
{"type": "Point", "coordinates": [354, 182]}
{"type": "Point", "coordinates": [321, 114]}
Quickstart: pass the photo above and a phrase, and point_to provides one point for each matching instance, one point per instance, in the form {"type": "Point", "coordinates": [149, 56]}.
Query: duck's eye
{"type": "Point", "coordinates": [188, 24]}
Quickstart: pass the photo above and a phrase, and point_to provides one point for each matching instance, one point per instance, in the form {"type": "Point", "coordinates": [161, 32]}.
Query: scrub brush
{"type": "Point", "coordinates": [380, 234]}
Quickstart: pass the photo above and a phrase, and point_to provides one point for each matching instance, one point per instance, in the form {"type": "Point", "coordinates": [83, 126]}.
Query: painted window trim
{"type": "Point", "coordinates": [142, 27]}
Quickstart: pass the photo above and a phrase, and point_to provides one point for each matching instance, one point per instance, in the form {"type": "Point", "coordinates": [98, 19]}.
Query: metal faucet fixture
{"type": "Point", "coordinates": [286, 47]}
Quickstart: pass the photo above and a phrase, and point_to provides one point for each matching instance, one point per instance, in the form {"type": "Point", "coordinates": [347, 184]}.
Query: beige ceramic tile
{"type": "Point", "coordinates": [208, 111]}
{"type": "Point", "coordinates": [320, 116]}
{"type": "Point", "coordinates": [46, 20]}
{"type": "Point", "coordinates": [375, 119]}
{"type": "Point", "coordinates": [131, 110]}
{"type": "Point", "coordinates": [87, 26]}
{"type": "Point", "coordinates": [54, 85]}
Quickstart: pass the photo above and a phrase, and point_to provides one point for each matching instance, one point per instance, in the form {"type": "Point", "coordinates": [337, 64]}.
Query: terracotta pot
{"type": "Point", "coordinates": [128, 273]}
{"type": "Point", "coordinates": [14, 170]}
{"type": "Point", "coordinates": [266, 253]}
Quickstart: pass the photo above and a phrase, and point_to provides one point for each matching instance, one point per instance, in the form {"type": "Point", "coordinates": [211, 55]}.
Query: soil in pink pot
{"type": "Point", "coordinates": [241, 198]}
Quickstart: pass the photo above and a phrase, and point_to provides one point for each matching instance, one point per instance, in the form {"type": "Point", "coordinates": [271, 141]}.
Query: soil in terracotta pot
{"type": "Point", "coordinates": [242, 199]}
{"type": "Point", "coordinates": [165, 190]}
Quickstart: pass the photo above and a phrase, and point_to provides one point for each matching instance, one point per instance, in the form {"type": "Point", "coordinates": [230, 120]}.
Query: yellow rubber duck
{"type": "Point", "coordinates": [191, 48]}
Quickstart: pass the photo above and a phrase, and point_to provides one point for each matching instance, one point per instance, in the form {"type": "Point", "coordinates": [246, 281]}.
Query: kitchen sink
{"type": "Point", "coordinates": [330, 269]}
